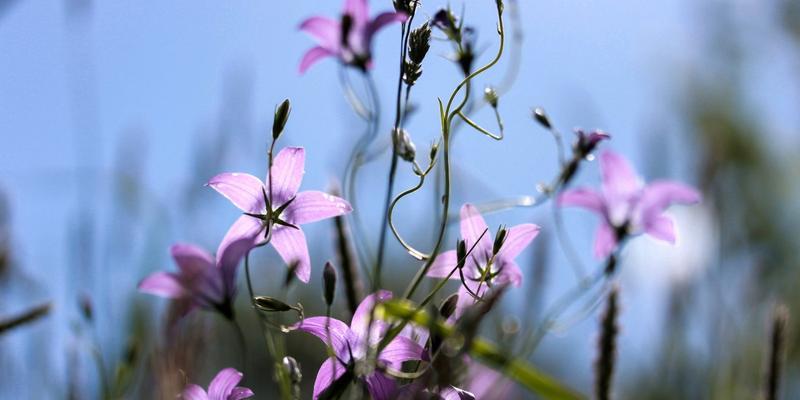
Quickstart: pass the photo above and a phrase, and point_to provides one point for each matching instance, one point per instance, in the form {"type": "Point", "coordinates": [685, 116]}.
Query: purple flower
{"type": "Point", "coordinates": [222, 387]}
{"type": "Point", "coordinates": [348, 39]}
{"type": "Point", "coordinates": [202, 281]}
{"type": "Point", "coordinates": [483, 269]}
{"type": "Point", "coordinates": [350, 347]}
{"type": "Point", "coordinates": [281, 209]}
{"type": "Point", "coordinates": [627, 206]}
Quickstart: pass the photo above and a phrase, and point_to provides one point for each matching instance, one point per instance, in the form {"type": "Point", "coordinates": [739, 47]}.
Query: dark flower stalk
{"type": "Point", "coordinates": [607, 347]}
{"type": "Point", "coordinates": [28, 316]}
{"type": "Point", "coordinates": [353, 288]}
{"type": "Point", "coordinates": [777, 348]}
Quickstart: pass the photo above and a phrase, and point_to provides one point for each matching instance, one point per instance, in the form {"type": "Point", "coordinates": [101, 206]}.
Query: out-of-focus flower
{"type": "Point", "coordinates": [587, 142]}
{"type": "Point", "coordinates": [348, 39]}
{"type": "Point", "coordinates": [627, 206]}
{"type": "Point", "coordinates": [483, 268]}
{"type": "Point", "coordinates": [201, 280]}
{"type": "Point", "coordinates": [487, 384]}
{"type": "Point", "coordinates": [279, 210]}
{"type": "Point", "coordinates": [350, 347]}
{"type": "Point", "coordinates": [222, 387]}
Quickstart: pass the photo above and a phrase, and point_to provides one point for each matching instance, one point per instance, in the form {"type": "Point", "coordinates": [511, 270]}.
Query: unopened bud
{"type": "Point", "coordinates": [87, 309]}
{"type": "Point", "coordinates": [448, 306]}
{"type": "Point", "coordinates": [491, 96]}
{"type": "Point", "coordinates": [293, 369]}
{"type": "Point", "coordinates": [281, 116]}
{"type": "Point", "coordinates": [404, 147]}
{"type": "Point", "coordinates": [434, 150]}
{"type": "Point", "coordinates": [329, 283]}
{"type": "Point", "coordinates": [499, 240]}
{"type": "Point", "coordinates": [461, 253]}
{"type": "Point", "coordinates": [271, 304]}
{"type": "Point", "coordinates": [540, 117]}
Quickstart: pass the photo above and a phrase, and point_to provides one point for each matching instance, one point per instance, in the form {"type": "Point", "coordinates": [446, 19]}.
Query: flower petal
{"type": "Point", "coordinates": [312, 56]}
{"type": "Point", "coordinates": [472, 226]}
{"type": "Point", "coordinates": [582, 197]}
{"type": "Point", "coordinates": [329, 372]}
{"type": "Point", "coordinates": [239, 393]}
{"type": "Point", "coordinates": [228, 261]}
{"type": "Point", "coordinates": [381, 387]}
{"type": "Point", "coordinates": [222, 384]}
{"type": "Point", "coordinates": [287, 174]}
{"type": "Point", "coordinates": [382, 20]}
{"type": "Point", "coordinates": [162, 284]}
{"type": "Point", "coordinates": [605, 241]}
{"type": "Point", "coordinates": [340, 334]}
{"type": "Point", "coordinates": [193, 392]}
{"type": "Point", "coordinates": [517, 239]}
{"type": "Point", "coordinates": [454, 393]}
{"type": "Point", "coordinates": [443, 265]}
{"type": "Point", "coordinates": [360, 320]}
{"type": "Point", "coordinates": [312, 206]}
{"type": "Point", "coordinates": [510, 273]}
{"type": "Point", "coordinates": [291, 246]}
{"type": "Point", "coordinates": [192, 260]}
{"type": "Point", "coordinates": [325, 30]}
{"type": "Point", "coordinates": [358, 10]}
{"type": "Point", "coordinates": [401, 349]}
{"type": "Point", "coordinates": [620, 182]}
{"type": "Point", "coordinates": [662, 228]}
{"type": "Point", "coordinates": [659, 195]}
{"type": "Point", "coordinates": [243, 190]}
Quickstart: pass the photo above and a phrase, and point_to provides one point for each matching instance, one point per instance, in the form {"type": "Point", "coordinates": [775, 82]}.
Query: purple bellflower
{"type": "Point", "coordinates": [222, 387]}
{"type": "Point", "coordinates": [349, 344]}
{"type": "Point", "coordinates": [202, 281]}
{"type": "Point", "coordinates": [483, 268]}
{"type": "Point", "coordinates": [627, 206]}
{"type": "Point", "coordinates": [277, 212]}
{"type": "Point", "coordinates": [348, 39]}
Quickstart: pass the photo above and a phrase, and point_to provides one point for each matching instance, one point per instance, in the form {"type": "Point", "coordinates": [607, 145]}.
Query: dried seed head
{"type": "Point", "coordinates": [329, 283]}
{"type": "Point", "coordinates": [404, 147]}
{"type": "Point", "coordinates": [541, 117]}
{"type": "Point", "coordinates": [282, 112]}
{"type": "Point", "coordinates": [419, 42]}
{"type": "Point", "coordinates": [271, 304]}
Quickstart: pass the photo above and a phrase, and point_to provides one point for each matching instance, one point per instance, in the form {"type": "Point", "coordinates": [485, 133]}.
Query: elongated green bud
{"type": "Point", "coordinates": [541, 117]}
{"type": "Point", "coordinates": [281, 116]}
{"type": "Point", "coordinates": [329, 283]}
{"type": "Point", "coordinates": [271, 304]}
{"type": "Point", "coordinates": [449, 306]}
{"type": "Point", "coordinates": [461, 253]}
{"type": "Point", "coordinates": [499, 240]}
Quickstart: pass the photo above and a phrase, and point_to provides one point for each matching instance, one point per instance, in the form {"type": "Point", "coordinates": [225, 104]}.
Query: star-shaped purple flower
{"type": "Point", "coordinates": [348, 39]}
{"type": "Point", "coordinates": [201, 281]}
{"type": "Point", "coordinates": [222, 387]}
{"type": "Point", "coordinates": [281, 208]}
{"type": "Point", "coordinates": [627, 206]}
{"type": "Point", "coordinates": [350, 347]}
{"type": "Point", "coordinates": [483, 269]}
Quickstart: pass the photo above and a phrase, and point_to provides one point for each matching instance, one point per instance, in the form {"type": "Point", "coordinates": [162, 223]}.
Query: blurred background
{"type": "Point", "coordinates": [114, 114]}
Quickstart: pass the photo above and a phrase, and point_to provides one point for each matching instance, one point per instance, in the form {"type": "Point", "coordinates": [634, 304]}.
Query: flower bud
{"type": "Point", "coordinates": [281, 116]}
{"type": "Point", "coordinates": [540, 117]}
{"type": "Point", "coordinates": [448, 306]}
{"type": "Point", "coordinates": [329, 283]}
{"type": "Point", "coordinates": [271, 304]}
{"type": "Point", "coordinates": [491, 96]}
{"type": "Point", "coordinates": [403, 145]}
{"type": "Point", "coordinates": [461, 253]}
{"type": "Point", "coordinates": [87, 309]}
{"type": "Point", "coordinates": [293, 368]}
{"type": "Point", "coordinates": [499, 240]}
{"type": "Point", "coordinates": [586, 143]}
{"type": "Point", "coordinates": [434, 151]}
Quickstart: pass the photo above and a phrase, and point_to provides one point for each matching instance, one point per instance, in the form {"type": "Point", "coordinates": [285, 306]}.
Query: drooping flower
{"type": "Point", "coordinates": [222, 387]}
{"type": "Point", "coordinates": [350, 347]}
{"type": "Point", "coordinates": [627, 206]}
{"type": "Point", "coordinates": [276, 210]}
{"type": "Point", "coordinates": [488, 264]}
{"type": "Point", "coordinates": [348, 39]}
{"type": "Point", "coordinates": [201, 280]}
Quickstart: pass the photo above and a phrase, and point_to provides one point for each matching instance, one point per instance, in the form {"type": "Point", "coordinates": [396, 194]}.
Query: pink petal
{"type": "Point", "coordinates": [659, 195]}
{"type": "Point", "coordinates": [358, 10]}
{"type": "Point", "coordinates": [360, 320]}
{"type": "Point", "coordinates": [584, 198]}
{"type": "Point", "coordinates": [620, 182]}
{"type": "Point", "coordinates": [517, 239]}
{"type": "Point", "coordinates": [605, 241]}
{"type": "Point", "coordinates": [443, 265]}
{"type": "Point", "coordinates": [312, 56]}
{"type": "Point", "coordinates": [193, 392]}
{"type": "Point", "coordinates": [312, 206]}
{"type": "Point", "coordinates": [291, 246]}
{"type": "Point", "coordinates": [239, 393]}
{"type": "Point", "coordinates": [228, 261]}
{"type": "Point", "coordinates": [192, 260]}
{"type": "Point", "coordinates": [510, 274]}
{"type": "Point", "coordinates": [287, 174]}
{"type": "Point", "coordinates": [340, 335]}
{"type": "Point", "coordinates": [329, 372]}
{"type": "Point", "coordinates": [243, 190]}
{"type": "Point", "coordinates": [162, 284]}
{"type": "Point", "coordinates": [661, 227]}
{"type": "Point", "coordinates": [222, 385]}
{"type": "Point", "coordinates": [325, 30]}
{"type": "Point", "coordinates": [198, 275]}
{"type": "Point", "coordinates": [401, 349]}
{"type": "Point", "coordinates": [381, 387]}
{"type": "Point", "coordinates": [383, 19]}
{"type": "Point", "coordinates": [472, 226]}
